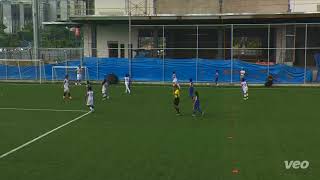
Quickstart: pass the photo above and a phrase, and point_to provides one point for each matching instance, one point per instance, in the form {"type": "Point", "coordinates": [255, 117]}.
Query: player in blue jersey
{"type": "Point", "coordinates": [191, 89]}
{"type": "Point", "coordinates": [196, 104]}
{"type": "Point", "coordinates": [217, 77]}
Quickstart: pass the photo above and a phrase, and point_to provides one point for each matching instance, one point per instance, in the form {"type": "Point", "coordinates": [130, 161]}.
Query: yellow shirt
{"type": "Point", "coordinates": [177, 93]}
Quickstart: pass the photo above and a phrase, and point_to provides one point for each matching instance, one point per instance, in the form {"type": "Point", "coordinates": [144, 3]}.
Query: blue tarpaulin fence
{"type": "Point", "coordinates": [157, 70]}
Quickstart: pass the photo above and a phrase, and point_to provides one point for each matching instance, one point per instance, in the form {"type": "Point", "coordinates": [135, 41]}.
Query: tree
{"type": "Point", "coordinates": [58, 37]}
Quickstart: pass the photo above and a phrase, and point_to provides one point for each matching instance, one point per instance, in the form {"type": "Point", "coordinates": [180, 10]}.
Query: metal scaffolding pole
{"type": "Point", "coordinates": [35, 29]}
{"type": "Point", "coordinates": [130, 40]}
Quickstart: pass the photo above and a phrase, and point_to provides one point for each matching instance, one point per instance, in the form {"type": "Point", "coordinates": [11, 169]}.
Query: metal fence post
{"type": "Point", "coordinates": [305, 53]}
{"type": "Point", "coordinates": [231, 68]}
{"type": "Point", "coordinates": [163, 55]}
{"type": "Point", "coordinates": [269, 49]}
{"type": "Point", "coordinates": [97, 75]}
{"type": "Point", "coordinates": [197, 54]}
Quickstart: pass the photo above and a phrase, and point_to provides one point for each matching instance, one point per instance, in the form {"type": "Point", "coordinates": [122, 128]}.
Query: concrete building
{"type": "Point", "coordinates": [15, 14]}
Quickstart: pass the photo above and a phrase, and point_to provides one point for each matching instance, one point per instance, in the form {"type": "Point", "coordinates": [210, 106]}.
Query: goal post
{"type": "Point", "coordinates": [22, 70]}
{"type": "Point", "coordinates": [59, 72]}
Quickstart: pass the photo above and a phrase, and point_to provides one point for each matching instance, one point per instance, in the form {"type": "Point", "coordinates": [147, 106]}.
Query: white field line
{"type": "Point", "coordinates": [43, 135]}
{"type": "Point", "coordinates": [52, 110]}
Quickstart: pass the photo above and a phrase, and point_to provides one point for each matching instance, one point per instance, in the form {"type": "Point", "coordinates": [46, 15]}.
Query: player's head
{"type": "Point", "coordinates": [190, 80]}
{"type": "Point", "coordinates": [89, 88]}
{"type": "Point", "coordinates": [216, 70]}
{"type": "Point", "coordinates": [79, 66]}
{"type": "Point", "coordinates": [173, 72]}
{"type": "Point", "coordinates": [67, 76]}
{"type": "Point", "coordinates": [88, 82]}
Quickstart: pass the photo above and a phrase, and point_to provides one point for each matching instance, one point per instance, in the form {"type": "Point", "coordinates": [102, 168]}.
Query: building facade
{"type": "Point", "coordinates": [258, 30]}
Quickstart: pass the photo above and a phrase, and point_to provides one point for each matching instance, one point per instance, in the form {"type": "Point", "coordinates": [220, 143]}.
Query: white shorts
{"type": "Point", "coordinates": [66, 89]}
{"type": "Point", "coordinates": [89, 102]}
{"type": "Point", "coordinates": [79, 77]}
{"type": "Point", "coordinates": [245, 90]}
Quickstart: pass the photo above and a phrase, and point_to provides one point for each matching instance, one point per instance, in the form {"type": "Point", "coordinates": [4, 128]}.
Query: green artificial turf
{"type": "Point", "coordinates": [139, 137]}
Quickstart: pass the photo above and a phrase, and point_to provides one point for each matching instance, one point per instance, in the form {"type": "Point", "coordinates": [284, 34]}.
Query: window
{"type": "Point", "coordinates": [113, 48]}
{"type": "Point", "coordinates": [122, 50]}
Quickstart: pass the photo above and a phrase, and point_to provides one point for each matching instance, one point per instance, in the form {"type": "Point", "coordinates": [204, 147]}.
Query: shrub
{"type": "Point", "coordinates": [112, 78]}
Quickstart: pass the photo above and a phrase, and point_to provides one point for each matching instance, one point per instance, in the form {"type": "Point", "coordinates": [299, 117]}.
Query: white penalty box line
{"type": "Point", "coordinates": [50, 110]}
{"type": "Point", "coordinates": [43, 135]}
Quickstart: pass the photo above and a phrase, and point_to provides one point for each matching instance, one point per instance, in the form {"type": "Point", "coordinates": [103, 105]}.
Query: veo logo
{"type": "Point", "coordinates": [296, 164]}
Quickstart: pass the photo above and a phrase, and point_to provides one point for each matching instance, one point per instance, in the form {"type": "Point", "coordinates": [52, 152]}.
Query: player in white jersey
{"type": "Point", "coordinates": [245, 89]}
{"type": "Point", "coordinates": [127, 83]}
{"type": "Point", "coordinates": [242, 74]}
{"type": "Point", "coordinates": [66, 88]}
{"type": "Point", "coordinates": [105, 89]}
{"type": "Point", "coordinates": [79, 75]}
{"type": "Point", "coordinates": [89, 98]}
{"type": "Point", "coordinates": [175, 80]}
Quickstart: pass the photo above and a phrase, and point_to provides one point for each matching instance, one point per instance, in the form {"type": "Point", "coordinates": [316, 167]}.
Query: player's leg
{"type": "Point", "coordinates": [176, 105]}
{"type": "Point", "coordinates": [128, 88]}
{"type": "Point", "coordinates": [69, 95]}
{"type": "Point", "coordinates": [245, 95]}
{"type": "Point", "coordinates": [91, 108]}
{"type": "Point", "coordinates": [80, 79]}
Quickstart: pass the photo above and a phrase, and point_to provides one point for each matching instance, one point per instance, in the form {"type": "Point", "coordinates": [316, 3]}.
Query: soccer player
{"type": "Point", "coordinates": [176, 100]}
{"type": "Point", "coordinates": [196, 104]}
{"type": "Point", "coordinates": [191, 89]}
{"type": "Point", "coordinates": [88, 84]}
{"type": "Point", "coordinates": [66, 88]}
{"type": "Point", "coordinates": [217, 77]}
{"type": "Point", "coordinates": [89, 97]}
{"type": "Point", "coordinates": [242, 74]}
{"type": "Point", "coordinates": [245, 89]}
{"type": "Point", "coordinates": [79, 75]}
{"type": "Point", "coordinates": [105, 89]}
{"type": "Point", "coordinates": [127, 83]}
{"type": "Point", "coordinates": [175, 80]}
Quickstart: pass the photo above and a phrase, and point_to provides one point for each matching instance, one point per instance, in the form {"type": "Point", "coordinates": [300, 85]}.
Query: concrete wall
{"type": "Point", "coordinates": [181, 7]}
{"type": "Point", "coordinates": [114, 7]}
{"type": "Point", "coordinates": [114, 33]}
{"type": "Point", "coordinates": [255, 6]}
{"type": "Point", "coordinates": [304, 5]}
{"type": "Point", "coordinates": [87, 40]}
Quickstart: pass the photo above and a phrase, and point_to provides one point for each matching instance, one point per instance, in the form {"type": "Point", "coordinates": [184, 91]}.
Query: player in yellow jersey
{"type": "Point", "coordinates": [176, 100]}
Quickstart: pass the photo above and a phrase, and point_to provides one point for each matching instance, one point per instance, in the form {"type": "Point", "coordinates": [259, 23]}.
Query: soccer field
{"type": "Point", "coordinates": [139, 136]}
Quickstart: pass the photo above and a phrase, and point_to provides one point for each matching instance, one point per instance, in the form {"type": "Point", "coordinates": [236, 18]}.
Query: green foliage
{"type": "Point", "coordinates": [15, 40]}
{"type": "Point", "coordinates": [58, 37]}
